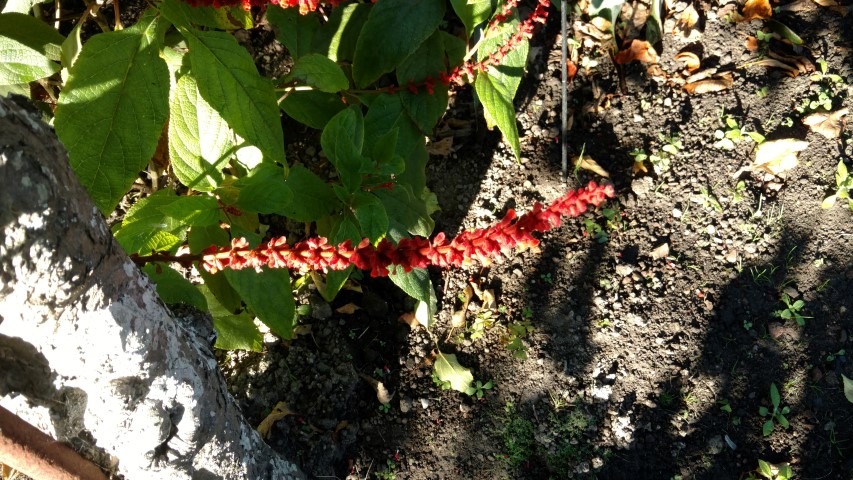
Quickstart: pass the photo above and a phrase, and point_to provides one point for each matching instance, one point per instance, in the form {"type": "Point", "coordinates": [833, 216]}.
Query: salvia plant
{"type": "Point", "coordinates": [174, 93]}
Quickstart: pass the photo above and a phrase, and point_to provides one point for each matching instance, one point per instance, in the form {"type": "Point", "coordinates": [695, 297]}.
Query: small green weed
{"type": "Point", "coordinates": [777, 415]}
{"type": "Point", "coordinates": [830, 88]}
{"type": "Point", "coordinates": [385, 407]}
{"type": "Point", "coordinates": [518, 437]}
{"type": "Point", "coordinates": [731, 133]}
{"type": "Point", "coordinates": [792, 311]}
{"type": "Point", "coordinates": [515, 332]}
{"type": "Point", "coordinates": [594, 230]}
{"type": "Point", "coordinates": [770, 471]}
{"type": "Point", "coordinates": [843, 187]}
{"type": "Point", "coordinates": [388, 473]}
{"type": "Point", "coordinates": [478, 388]}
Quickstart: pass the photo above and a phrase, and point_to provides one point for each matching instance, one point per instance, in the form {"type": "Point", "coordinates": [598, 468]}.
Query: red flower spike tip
{"type": "Point", "coordinates": [473, 246]}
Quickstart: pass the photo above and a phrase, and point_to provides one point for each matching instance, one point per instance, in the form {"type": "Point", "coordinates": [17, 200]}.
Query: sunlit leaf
{"type": "Point", "coordinates": [448, 369]}
{"type": "Point", "coordinates": [828, 124]}
{"type": "Point", "coordinates": [639, 50]}
{"type": "Point", "coordinates": [778, 156]}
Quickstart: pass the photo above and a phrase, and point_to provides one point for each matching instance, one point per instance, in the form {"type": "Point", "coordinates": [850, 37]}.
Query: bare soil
{"type": "Point", "coordinates": [641, 349]}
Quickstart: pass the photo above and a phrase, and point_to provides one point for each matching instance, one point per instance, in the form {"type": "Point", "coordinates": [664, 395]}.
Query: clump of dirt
{"type": "Point", "coordinates": [643, 339]}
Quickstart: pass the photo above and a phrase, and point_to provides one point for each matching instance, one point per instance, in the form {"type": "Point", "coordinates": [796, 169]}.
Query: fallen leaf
{"type": "Point", "coordinates": [280, 411]}
{"type": "Point", "coordinates": [828, 124]}
{"type": "Point", "coordinates": [571, 70]}
{"type": "Point", "coordinates": [661, 251]}
{"type": "Point", "coordinates": [778, 156]}
{"type": "Point", "coordinates": [754, 10]}
{"type": "Point", "coordinates": [382, 393]}
{"type": "Point", "coordinates": [751, 43]}
{"type": "Point", "coordinates": [833, 5]}
{"type": "Point", "coordinates": [348, 309]}
{"type": "Point", "coordinates": [689, 59]}
{"type": "Point", "coordinates": [589, 164]}
{"type": "Point", "coordinates": [601, 23]}
{"type": "Point", "coordinates": [300, 330]}
{"type": "Point", "coordinates": [686, 21]}
{"type": "Point", "coordinates": [848, 388]}
{"type": "Point", "coordinates": [803, 64]}
{"type": "Point", "coordinates": [489, 300]}
{"type": "Point", "coordinates": [409, 319]}
{"type": "Point", "coordinates": [441, 148]}
{"type": "Point", "coordinates": [773, 63]}
{"type": "Point", "coordinates": [639, 167]}
{"type": "Point", "coordinates": [447, 369]}
{"type": "Point", "coordinates": [639, 50]}
{"type": "Point", "coordinates": [656, 73]}
{"type": "Point", "coordinates": [336, 435]}
{"type": "Point", "coordinates": [457, 319]}
{"type": "Point", "coordinates": [714, 84]}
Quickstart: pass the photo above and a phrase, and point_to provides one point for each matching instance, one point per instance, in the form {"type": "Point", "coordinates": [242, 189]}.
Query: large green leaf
{"type": "Point", "coordinates": [385, 114]}
{"type": "Point", "coordinates": [393, 31]}
{"type": "Point", "coordinates": [407, 213]}
{"type": "Point", "coordinates": [472, 12]}
{"type": "Point", "coordinates": [342, 141]}
{"type": "Point", "coordinates": [146, 228]}
{"type": "Point", "coordinates": [229, 82]}
{"type": "Point", "coordinates": [172, 287]}
{"type": "Point", "coordinates": [311, 107]}
{"type": "Point", "coordinates": [200, 238]}
{"type": "Point", "coordinates": [198, 210]}
{"type": "Point", "coordinates": [233, 332]}
{"type": "Point", "coordinates": [111, 113]}
{"type": "Point", "coordinates": [268, 295]}
{"type": "Point", "coordinates": [337, 38]}
{"type": "Point", "coordinates": [428, 60]}
{"type": "Point", "coordinates": [264, 190]}
{"type": "Point", "coordinates": [497, 103]}
{"type": "Point", "coordinates": [419, 286]}
{"type": "Point", "coordinates": [31, 33]}
{"type": "Point", "coordinates": [316, 197]}
{"type": "Point", "coordinates": [371, 215]}
{"type": "Point", "coordinates": [294, 31]}
{"type": "Point", "coordinates": [199, 139]}
{"type": "Point", "coordinates": [182, 14]}
{"type": "Point", "coordinates": [319, 72]}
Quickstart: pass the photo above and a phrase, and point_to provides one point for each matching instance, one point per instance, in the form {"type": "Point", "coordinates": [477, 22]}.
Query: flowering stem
{"type": "Point", "coordinates": [482, 245]}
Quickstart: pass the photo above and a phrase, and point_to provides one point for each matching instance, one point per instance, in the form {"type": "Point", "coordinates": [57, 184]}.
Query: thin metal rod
{"type": "Point", "coordinates": [563, 91]}
{"type": "Point", "coordinates": [33, 453]}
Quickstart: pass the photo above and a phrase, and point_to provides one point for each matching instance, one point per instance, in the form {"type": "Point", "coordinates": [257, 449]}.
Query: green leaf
{"type": "Point", "coordinates": [654, 25]}
{"type": "Point", "coordinates": [774, 396]}
{"type": "Point", "coordinates": [765, 469]}
{"type": "Point", "coordinates": [448, 369]}
{"type": "Point", "coordinates": [268, 295]}
{"type": "Point", "coordinates": [31, 33]}
{"type": "Point", "coordinates": [763, 411]}
{"type": "Point", "coordinates": [311, 107]}
{"type": "Point", "coordinates": [829, 201]}
{"type": "Point", "coordinates": [197, 210]}
{"type": "Point", "coordinates": [454, 48]}
{"type": "Point", "coordinates": [393, 31]}
{"type": "Point", "coordinates": [233, 332]}
{"type": "Point", "coordinates": [71, 47]}
{"type": "Point", "coordinates": [342, 141]}
{"type": "Point", "coordinates": [229, 82]}
{"type": "Point", "coordinates": [264, 190]}
{"type": "Point", "coordinates": [783, 422]}
{"type": "Point", "coordinates": [337, 38]}
{"type": "Point", "coordinates": [497, 103]}
{"type": "Point", "coordinates": [767, 428]}
{"type": "Point", "coordinates": [19, 6]}
{"type": "Point", "coordinates": [385, 114]}
{"type": "Point", "coordinates": [181, 14]}
{"type": "Point", "coordinates": [427, 61]}
{"type": "Point", "coordinates": [848, 388]}
{"type": "Point", "coordinates": [172, 287]}
{"type": "Point", "coordinates": [840, 173]}
{"type": "Point", "coordinates": [110, 115]}
{"type": "Point", "coordinates": [472, 13]}
{"type": "Point", "coordinates": [146, 228]}
{"type": "Point", "coordinates": [200, 238]}
{"type": "Point", "coordinates": [200, 142]}
{"type": "Point", "coordinates": [316, 198]}
{"type": "Point", "coordinates": [371, 215]}
{"type": "Point", "coordinates": [418, 285]}
{"type": "Point", "coordinates": [294, 31]}
{"type": "Point", "coordinates": [319, 72]}
{"type": "Point", "coordinates": [783, 31]}
{"type": "Point", "coordinates": [407, 214]}
{"type": "Point", "coordinates": [345, 228]}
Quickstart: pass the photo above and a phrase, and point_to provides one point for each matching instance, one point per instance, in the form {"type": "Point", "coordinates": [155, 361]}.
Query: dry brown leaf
{"type": "Point", "coordinates": [280, 411]}
{"type": "Point", "coordinates": [686, 21]}
{"type": "Point", "coordinates": [751, 44]}
{"type": "Point", "coordinates": [689, 59]}
{"type": "Point", "coordinates": [833, 5]}
{"type": "Point", "coordinates": [409, 319]}
{"type": "Point", "coordinates": [442, 148]}
{"type": "Point", "coordinates": [601, 23]}
{"type": "Point", "coordinates": [656, 73]}
{"type": "Point", "coordinates": [336, 434]}
{"type": "Point", "coordinates": [639, 167]}
{"type": "Point", "coordinates": [754, 10]}
{"type": "Point", "coordinates": [828, 124]}
{"type": "Point", "coordinates": [589, 164]}
{"type": "Point", "coordinates": [457, 319]}
{"type": "Point", "coordinates": [661, 251]}
{"type": "Point", "coordinates": [778, 156]}
{"type": "Point", "coordinates": [489, 300]}
{"type": "Point", "coordinates": [348, 309]}
{"type": "Point", "coordinates": [773, 63]}
{"type": "Point", "coordinates": [300, 330]}
{"type": "Point", "coordinates": [382, 393]}
{"type": "Point", "coordinates": [803, 64]}
{"type": "Point", "coordinates": [715, 84]}
{"type": "Point", "coordinates": [639, 50]}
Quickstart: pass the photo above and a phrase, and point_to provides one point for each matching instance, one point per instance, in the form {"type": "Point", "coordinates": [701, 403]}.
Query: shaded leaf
{"type": "Point", "coordinates": [457, 319]}
{"type": "Point", "coordinates": [280, 411]}
{"type": "Point", "coordinates": [319, 72]}
{"type": "Point", "coordinates": [172, 287]}
{"type": "Point", "coordinates": [348, 309]}
{"type": "Point", "coordinates": [587, 163]}
{"type": "Point", "coordinates": [848, 388]}
{"type": "Point", "coordinates": [382, 393]}
{"type": "Point", "coordinates": [777, 156]}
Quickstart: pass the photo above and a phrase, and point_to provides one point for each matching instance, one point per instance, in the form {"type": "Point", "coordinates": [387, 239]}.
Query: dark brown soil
{"type": "Point", "coordinates": [636, 364]}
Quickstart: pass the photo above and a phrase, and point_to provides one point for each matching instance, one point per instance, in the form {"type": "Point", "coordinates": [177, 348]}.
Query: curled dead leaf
{"type": "Point", "coordinates": [441, 148]}
{"type": "Point", "coordinates": [778, 156]}
{"type": "Point", "coordinates": [828, 124]}
{"type": "Point", "coordinates": [280, 411]}
{"type": "Point", "coordinates": [348, 309]}
{"type": "Point", "coordinates": [639, 50]}
{"type": "Point", "coordinates": [714, 84]}
{"type": "Point", "coordinates": [833, 5]}
{"type": "Point", "coordinates": [773, 63]}
{"type": "Point", "coordinates": [587, 163]}
{"type": "Point", "coordinates": [686, 21]}
{"type": "Point", "coordinates": [457, 319]}
{"type": "Point", "coordinates": [754, 10]}
{"type": "Point", "coordinates": [689, 59]}
{"type": "Point", "coordinates": [489, 300]}
{"type": "Point", "coordinates": [751, 44]}
{"type": "Point", "coordinates": [336, 434]}
{"type": "Point", "coordinates": [382, 393]}
{"type": "Point", "coordinates": [409, 319]}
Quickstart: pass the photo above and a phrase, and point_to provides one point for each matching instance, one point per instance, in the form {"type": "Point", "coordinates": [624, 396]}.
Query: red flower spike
{"type": "Point", "coordinates": [473, 246]}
